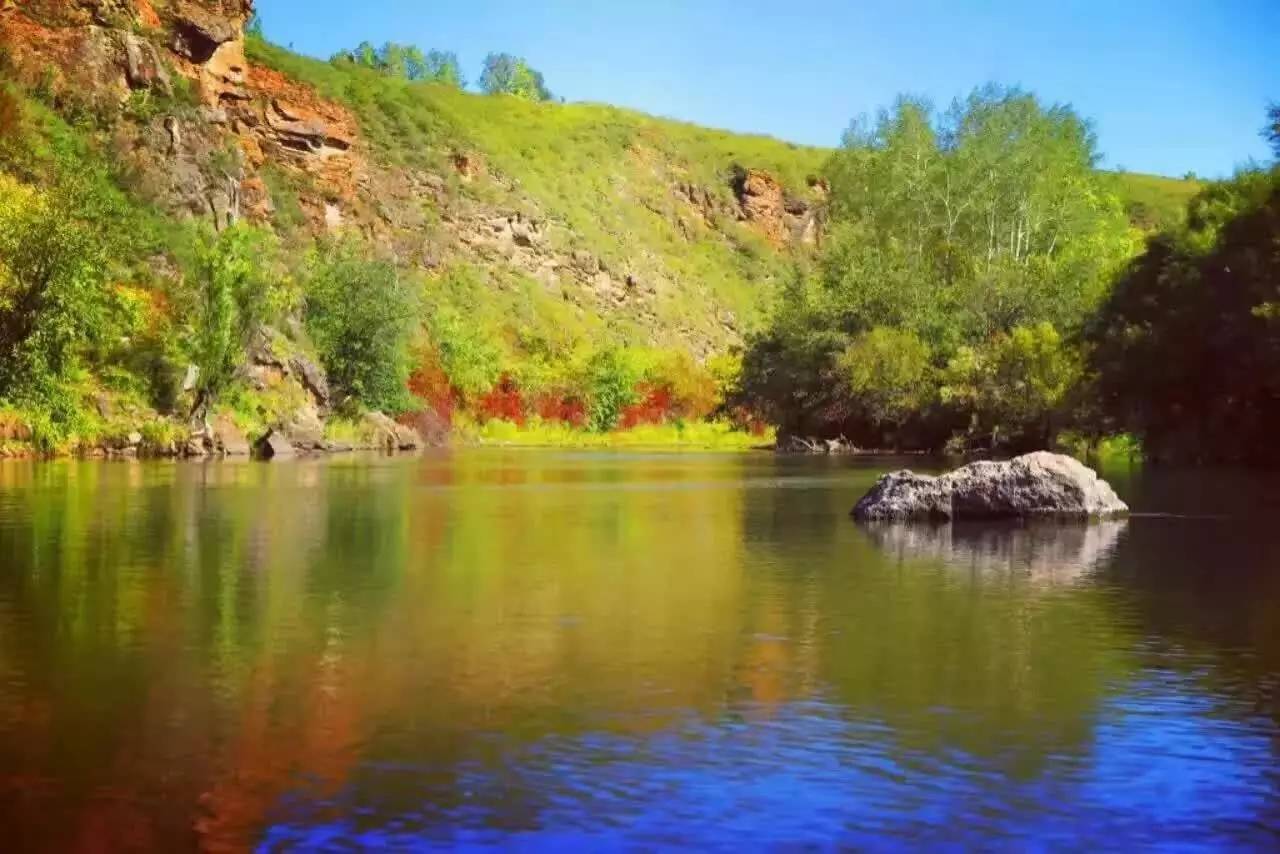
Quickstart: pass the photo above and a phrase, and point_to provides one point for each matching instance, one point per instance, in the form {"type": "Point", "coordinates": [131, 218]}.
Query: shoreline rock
{"type": "Point", "coordinates": [1039, 485]}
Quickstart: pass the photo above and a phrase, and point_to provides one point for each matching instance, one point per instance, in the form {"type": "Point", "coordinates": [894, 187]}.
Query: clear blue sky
{"type": "Point", "coordinates": [1171, 86]}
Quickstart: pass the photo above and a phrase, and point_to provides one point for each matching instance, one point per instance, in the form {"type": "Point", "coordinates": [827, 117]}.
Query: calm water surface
{"type": "Point", "coordinates": [546, 649]}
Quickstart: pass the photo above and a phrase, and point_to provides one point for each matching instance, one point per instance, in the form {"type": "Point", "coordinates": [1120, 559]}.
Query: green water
{"type": "Point", "coordinates": [578, 650]}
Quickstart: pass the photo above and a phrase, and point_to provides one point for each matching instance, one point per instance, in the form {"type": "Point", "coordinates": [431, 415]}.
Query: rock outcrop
{"type": "Point", "coordinates": [275, 445]}
{"type": "Point", "coordinates": [387, 435]}
{"type": "Point", "coordinates": [202, 131]}
{"type": "Point", "coordinates": [784, 219]}
{"type": "Point", "coordinates": [1039, 485]}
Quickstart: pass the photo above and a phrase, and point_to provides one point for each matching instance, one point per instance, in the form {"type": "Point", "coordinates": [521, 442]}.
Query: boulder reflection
{"type": "Point", "coordinates": [1049, 553]}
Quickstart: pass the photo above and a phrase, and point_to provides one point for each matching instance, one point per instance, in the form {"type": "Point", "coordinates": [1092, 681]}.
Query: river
{"type": "Point", "coordinates": [501, 648]}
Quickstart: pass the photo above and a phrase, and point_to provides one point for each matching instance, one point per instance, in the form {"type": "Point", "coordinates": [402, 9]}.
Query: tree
{"type": "Point", "coordinates": [359, 314]}
{"type": "Point", "coordinates": [54, 299]}
{"type": "Point", "coordinates": [888, 371]}
{"type": "Point", "coordinates": [986, 217]}
{"type": "Point", "coordinates": [1186, 351]}
{"type": "Point", "coordinates": [1271, 133]}
{"type": "Point", "coordinates": [610, 381]}
{"type": "Point", "coordinates": [1010, 387]}
{"type": "Point", "coordinates": [443, 67]}
{"type": "Point", "coordinates": [393, 60]}
{"type": "Point", "coordinates": [406, 62]}
{"type": "Point", "coordinates": [505, 74]}
{"type": "Point", "coordinates": [468, 354]}
{"type": "Point", "coordinates": [949, 229]}
{"type": "Point", "coordinates": [232, 294]}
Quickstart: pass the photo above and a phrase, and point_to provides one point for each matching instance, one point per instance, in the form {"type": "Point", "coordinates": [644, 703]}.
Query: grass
{"type": "Point", "coordinates": [703, 435]}
{"type": "Point", "coordinates": [1154, 202]}
{"type": "Point", "coordinates": [604, 175]}
{"type": "Point", "coordinates": [607, 176]}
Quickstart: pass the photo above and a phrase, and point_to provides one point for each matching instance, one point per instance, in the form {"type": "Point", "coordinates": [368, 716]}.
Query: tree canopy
{"type": "Point", "coordinates": [407, 62]}
{"type": "Point", "coordinates": [1186, 351]}
{"type": "Point", "coordinates": [983, 234]}
{"type": "Point", "coordinates": [505, 74]}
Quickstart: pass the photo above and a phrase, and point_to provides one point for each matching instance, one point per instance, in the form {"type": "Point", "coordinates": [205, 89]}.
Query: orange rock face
{"type": "Point", "coordinates": [94, 54]}
{"type": "Point", "coordinates": [761, 198]}
{"type": "Point", "coordinates": [286, 122]}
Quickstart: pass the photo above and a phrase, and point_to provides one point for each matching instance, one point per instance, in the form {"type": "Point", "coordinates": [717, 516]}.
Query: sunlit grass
{"type": "Point", "coordinates": [700, 435]}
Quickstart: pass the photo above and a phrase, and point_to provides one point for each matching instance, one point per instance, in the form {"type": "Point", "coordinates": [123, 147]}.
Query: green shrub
{"type": "Point", "coordinates": [610, 380]}
{"type": "Point", "coordinates": [359, 313]}
{"type": "Point", "coordinates": [233, 293]}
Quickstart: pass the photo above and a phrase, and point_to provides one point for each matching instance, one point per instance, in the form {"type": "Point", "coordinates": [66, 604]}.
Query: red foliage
{"type": "Point", "coordinates": [502, 401]}
{"type": "Point", "coordinates": [430, 384]}
{"type": "Point", "coordinates": [656, 406]}
{"type": "Point", "coordinates": [567, 410]}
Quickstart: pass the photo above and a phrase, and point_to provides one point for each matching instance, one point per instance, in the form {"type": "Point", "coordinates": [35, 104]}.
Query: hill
{"type": "Point", "coordinates": [1155, 202]}
{"type": "Point", "coordinates": [534, 236]}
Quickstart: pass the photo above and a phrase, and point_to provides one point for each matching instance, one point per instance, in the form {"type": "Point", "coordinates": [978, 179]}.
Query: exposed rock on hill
{"type": "Point", "coordinates": [783, 218]}
{"type": "Point", "coordinates": [1035, 485]}
{"type": "Point", "coordinates": [202, 131]}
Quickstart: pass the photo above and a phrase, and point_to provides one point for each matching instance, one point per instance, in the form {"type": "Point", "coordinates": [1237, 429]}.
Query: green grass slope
{"type": "Point", "coordinates": [607, 176]}
{"type": "Point", "coordinates": [1154, 202]}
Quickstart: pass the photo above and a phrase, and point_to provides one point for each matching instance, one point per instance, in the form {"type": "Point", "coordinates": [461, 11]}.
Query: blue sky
{"type": "Point", "coordinates": [1172, 86]}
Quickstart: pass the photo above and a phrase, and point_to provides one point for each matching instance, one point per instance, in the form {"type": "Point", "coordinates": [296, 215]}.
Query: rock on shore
{"type": "Point", "coordinates": [1039, 485]}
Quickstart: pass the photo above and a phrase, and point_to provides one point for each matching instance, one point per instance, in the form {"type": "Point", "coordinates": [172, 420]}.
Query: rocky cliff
{"type": "Point", "coordinates": [671, 236]}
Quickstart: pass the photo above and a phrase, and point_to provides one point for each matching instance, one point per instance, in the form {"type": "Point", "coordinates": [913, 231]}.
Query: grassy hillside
{"type": "Point", "coordinates": [587, 162]}
{"type": "Point", "coordinates": [610, 179]}
{"type": "Point", "coordinates": [1154, 201]}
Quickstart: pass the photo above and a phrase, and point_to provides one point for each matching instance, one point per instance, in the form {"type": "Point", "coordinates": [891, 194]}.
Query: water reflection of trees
{"type": "Point", "coordinates": [193, 644]}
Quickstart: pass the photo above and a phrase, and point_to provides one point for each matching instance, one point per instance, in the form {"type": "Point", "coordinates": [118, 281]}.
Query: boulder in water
{"type": "Point", "coordinates": [1039, 485]}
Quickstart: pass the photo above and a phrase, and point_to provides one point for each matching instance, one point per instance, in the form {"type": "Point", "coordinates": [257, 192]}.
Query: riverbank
{"type": "Point", "coordinates": [224, 436]}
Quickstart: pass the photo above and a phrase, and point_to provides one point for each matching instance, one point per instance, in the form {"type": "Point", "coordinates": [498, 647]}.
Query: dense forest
{"type": "Point", "coordinates": [981, 291]}
{"type": "Point", "coordinates": [962, 279]}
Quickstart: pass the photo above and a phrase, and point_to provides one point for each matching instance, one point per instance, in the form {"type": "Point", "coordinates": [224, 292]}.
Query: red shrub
{"type": "Point", "coordinates": [566, 410]}
{"type": "Point", "coordinates": [656, 405]}
{"type": "Point", "coordinates": [502, 401]}
{"type": "Point", "coordinates": [429, 383]}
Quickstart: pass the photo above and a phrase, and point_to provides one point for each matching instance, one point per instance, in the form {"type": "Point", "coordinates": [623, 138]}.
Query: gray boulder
{"type": "Point", "coordinates": [227, 438]}
{"type": "Point", "coordinates": [275, 446]}
{"type": "Point", "coordinates": [387, 435]}
{"type": "Point", "coordinates": [1039, 485]}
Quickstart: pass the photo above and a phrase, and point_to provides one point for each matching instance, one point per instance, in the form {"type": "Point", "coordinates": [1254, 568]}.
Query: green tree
{"type": "Point", "coordinates": [610, 379]}
{"type": "Point", "coordinates": [505, 74]}
{"type": "Point", "coordinates": [468, 354]}
{"type": "Point", "coordinates": [956, 228]}
{"type": "Point", "coordinates": [406, 62]}
{"type": "Point", "coordinates": [393, 59]}
{"type": "Point", "coordinates": [54, 299]}
{"type": "Point", "coordinates": [1186, 351]}
{"type": "Point", "coordinates": [360, 314]}
{"type": "Point", "coordinates": [443, 67]}
{"type": "Point", "coordinates": [1010, 387]}
{"type": "Point", "coordinates": [233, 294]}
{"type": "Point", "coordinates": [1271, 133]}
{"type": "Point", "coordinates": [889, 373]}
